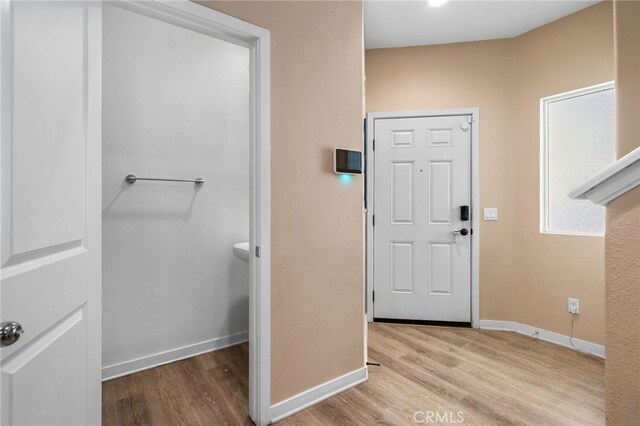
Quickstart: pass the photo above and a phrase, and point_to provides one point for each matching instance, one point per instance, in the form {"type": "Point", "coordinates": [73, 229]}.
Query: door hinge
{"type": "Point", "coordinates": [373, 220]}
{"type": "Point", "coordinates": [373, 296]}
{"type": "Point", "coordinates": [374, 145]}
{"type": "Point", "coordinates": [257, 251]}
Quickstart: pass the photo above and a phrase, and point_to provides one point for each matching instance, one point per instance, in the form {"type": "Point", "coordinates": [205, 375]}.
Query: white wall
{"type": "Point", "coordinates": [176, 105]}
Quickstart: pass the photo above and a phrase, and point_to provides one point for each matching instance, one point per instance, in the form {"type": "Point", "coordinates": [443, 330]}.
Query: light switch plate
{"type": "Point", "coordinates": [490, 213]}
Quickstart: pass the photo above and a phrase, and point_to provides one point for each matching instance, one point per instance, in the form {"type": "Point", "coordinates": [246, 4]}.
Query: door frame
{"type": "Point", "coordinates": [474, 112]}
{"type": "Point", "coordinates": [199, 18]}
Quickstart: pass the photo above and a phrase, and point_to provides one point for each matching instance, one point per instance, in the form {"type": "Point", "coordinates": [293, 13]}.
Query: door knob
{"type": "Point", "coordinates": [10, 332]}
{"type": "Point", "coordinates": [463, 231]}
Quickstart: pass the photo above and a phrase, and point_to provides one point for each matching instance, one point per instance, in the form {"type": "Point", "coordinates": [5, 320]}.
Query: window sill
{"type": "Point", "coordinates": [621, 176]}
{"type": "Point", "coordinates": [571, 234]}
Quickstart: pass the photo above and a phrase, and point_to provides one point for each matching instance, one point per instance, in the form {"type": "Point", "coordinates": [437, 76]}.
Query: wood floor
{"type": "Point", "coordinates": [483, 377]}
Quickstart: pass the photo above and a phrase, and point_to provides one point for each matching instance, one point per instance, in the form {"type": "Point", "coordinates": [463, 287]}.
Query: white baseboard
{"type": "Point", "coordinates": [547, 336]}
{"type": "Point", "coordinates": [144, 363]}
{"type": "Point", "coordinates": [496, 325]}
{"type": "Point", "coordinates": [314, 395]}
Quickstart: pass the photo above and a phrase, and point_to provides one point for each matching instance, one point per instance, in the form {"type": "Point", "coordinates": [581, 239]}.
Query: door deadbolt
{"type": "Point", "coordinates": [10, 332]}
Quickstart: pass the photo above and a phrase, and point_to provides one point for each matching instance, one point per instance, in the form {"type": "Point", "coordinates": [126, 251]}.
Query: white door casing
{"type": "Point", "coordinates": [421, 267]}
{"type": "Point", "coordinates": [51, 211]}
{"type": "Point", "coordinates": [198, 18]}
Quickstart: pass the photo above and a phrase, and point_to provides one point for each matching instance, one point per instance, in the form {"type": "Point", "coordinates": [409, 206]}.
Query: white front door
{"type": "Point", "coordinates": [51, 213]}
{"type": "Point", "coordinates": [422, 179]}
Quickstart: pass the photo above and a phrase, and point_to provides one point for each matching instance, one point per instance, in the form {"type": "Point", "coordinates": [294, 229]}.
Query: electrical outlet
{"type": "Point", "coordinates": [573, 306]}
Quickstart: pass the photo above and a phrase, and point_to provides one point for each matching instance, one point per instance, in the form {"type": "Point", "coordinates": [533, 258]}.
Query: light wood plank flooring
{"type": "Point", "coordinates": [491, 377]}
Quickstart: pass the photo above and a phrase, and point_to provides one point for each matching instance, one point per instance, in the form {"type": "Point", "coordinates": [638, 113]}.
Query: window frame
{"type": "Point", "coordinates": [544, 153]}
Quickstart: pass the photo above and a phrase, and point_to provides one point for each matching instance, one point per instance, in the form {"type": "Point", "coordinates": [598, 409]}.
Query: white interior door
{"type": "Point", "coordinates": [51, 186]}
{"type": "Point", "coordinates": [422, 262]}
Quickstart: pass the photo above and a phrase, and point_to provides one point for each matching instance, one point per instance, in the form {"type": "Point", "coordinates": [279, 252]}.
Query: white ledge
{"type": "Point", "coordinates": [610, 183]}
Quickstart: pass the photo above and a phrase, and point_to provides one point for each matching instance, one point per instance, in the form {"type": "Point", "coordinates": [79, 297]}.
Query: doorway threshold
{"type": "Point", "coordinates": [423, 322]}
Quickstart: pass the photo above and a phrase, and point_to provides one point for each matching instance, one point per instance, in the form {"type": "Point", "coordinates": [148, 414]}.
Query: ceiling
{"type": "Point", "coordinates": [398, 23]}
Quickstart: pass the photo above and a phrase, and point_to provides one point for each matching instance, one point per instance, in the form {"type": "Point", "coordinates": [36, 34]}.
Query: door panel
{"type": "Point", "coordinates": [402, 264]}
{"type": "Point", "coordinates": [440, 137]}
{"type": "Point", "coordinates": [440, 192]}
{"type": "Point", "coordinates": [422, 176]}
{"type": "Point", "coordinates": [48, 115]}
{"type": "Point", "coordinates": [402, 192]}
{"type": "Point", "coordinates": [439, 268]}
{"type": "Point", "coordinates": [30, 373]}
{"type": "Point", "coordinates": [402, 138]}
{"type": "Point", "coordinates": [51, 212]}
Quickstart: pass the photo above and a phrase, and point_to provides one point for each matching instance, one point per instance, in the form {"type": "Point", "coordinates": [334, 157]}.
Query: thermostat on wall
{"type": "Point", "coordinates": [346, 161]}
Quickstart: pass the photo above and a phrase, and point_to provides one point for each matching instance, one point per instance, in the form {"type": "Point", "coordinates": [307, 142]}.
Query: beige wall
{"type": "Point", "coordinates": [317, 303]}
{"type": "Point", "coordinates": [622, 369]}
{"type": "Point", "coordinates": [568, 54]}
{"type": "Point", "coordinates": [525, 276]}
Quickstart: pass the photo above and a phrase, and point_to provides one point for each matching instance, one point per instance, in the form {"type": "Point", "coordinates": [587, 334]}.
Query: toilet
{"type": "Point", "coordinates": [241, 251]}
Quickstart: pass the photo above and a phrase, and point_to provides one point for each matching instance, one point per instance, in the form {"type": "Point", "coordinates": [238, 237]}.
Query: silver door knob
{"type": "Point", "coordinates": [10, 332]}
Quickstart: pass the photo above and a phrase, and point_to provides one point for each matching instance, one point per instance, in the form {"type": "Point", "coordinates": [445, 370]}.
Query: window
{"type": "Point", "coordinates": [578, 140]}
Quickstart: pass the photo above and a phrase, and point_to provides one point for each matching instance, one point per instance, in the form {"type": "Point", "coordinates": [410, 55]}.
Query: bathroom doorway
{"type": "Point", "coordinates": [52, 154]}
{"type": "Point", "coordinates": [177, 211]}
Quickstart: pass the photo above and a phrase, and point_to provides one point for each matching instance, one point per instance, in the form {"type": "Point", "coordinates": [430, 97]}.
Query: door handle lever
{"type": "Point", "coordinates": [463, 231]}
